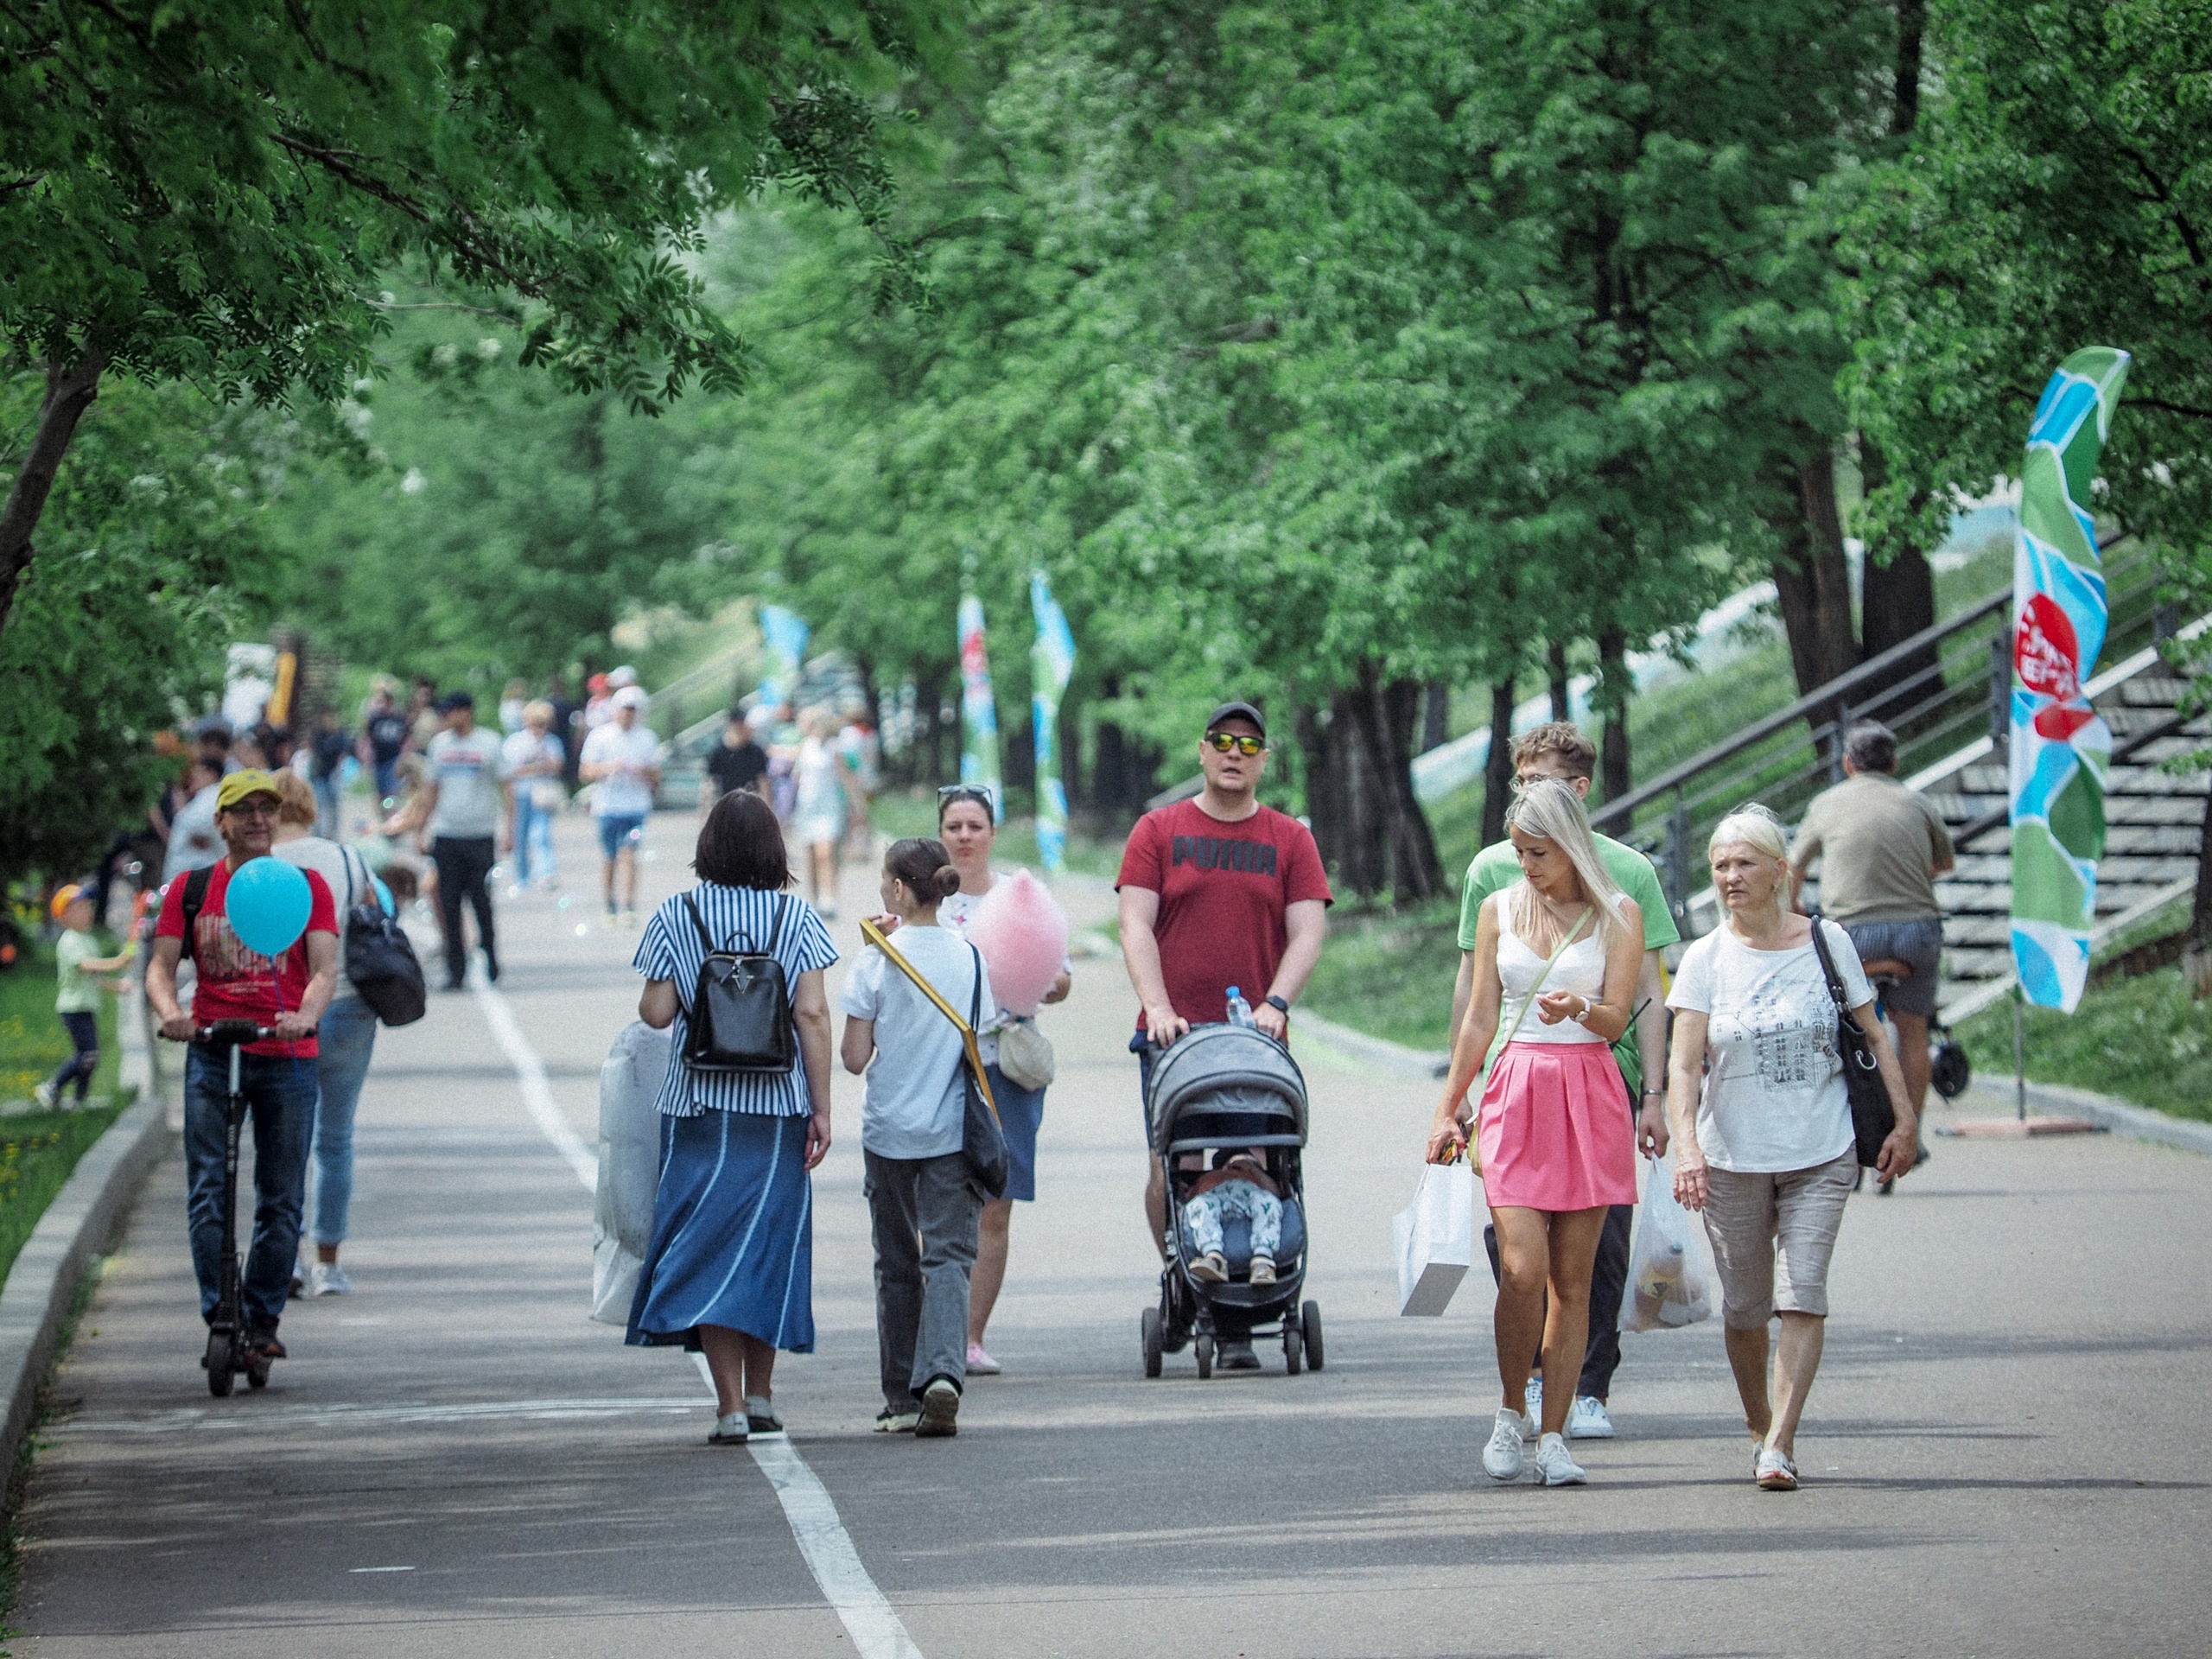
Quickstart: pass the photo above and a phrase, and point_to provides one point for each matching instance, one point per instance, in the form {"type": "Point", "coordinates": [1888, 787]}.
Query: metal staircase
{"type": "Point", "coordinates": [1946, 692]}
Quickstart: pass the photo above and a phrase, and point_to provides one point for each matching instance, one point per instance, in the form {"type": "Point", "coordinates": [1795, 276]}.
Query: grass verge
{"type": "Point", "coordinates": [32, 1041]}
{"type": "Point", "coordinates": [2143, 1040]}
{"type": "Point", "coordinates": [1390, 973]}
{"type": "Point", "coordinates": [913, 813]}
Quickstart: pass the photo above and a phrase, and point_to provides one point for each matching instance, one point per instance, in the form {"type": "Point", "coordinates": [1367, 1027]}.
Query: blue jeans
{"type": "Point", "coordinates": [280, 1094]}
{"type": "Point", "coordinates": [346, 1039]}
{"type": "Point", "coordinates": [83, 1031]}
{"type": "Point", "coordinates": [387, 773]}
{"type": "Point", "coordinates": [533, 839]}
{"type": "Point", "coordinates": [325, 805]}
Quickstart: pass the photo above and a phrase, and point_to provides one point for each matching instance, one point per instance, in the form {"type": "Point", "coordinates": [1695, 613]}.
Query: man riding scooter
{"type": "Point", "coordinates": [276, 1077]}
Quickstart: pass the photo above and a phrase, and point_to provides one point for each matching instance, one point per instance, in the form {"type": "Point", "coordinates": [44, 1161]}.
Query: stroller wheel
{"type": "Point", "coordinates": [1203, 1348]}
{"type": "Point", "coordinates": [1294, 1343]}
{"type": "Point", "coordinates": [217, 1362]}
{"type": "Point", "coordinates": [1310, 1319]}
{"type": "Point", "coordinates": [1149, 1331]}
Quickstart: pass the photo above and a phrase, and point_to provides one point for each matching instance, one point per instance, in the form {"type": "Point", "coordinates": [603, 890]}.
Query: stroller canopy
{"type": "Point", "coordinates": [1223, 1084]}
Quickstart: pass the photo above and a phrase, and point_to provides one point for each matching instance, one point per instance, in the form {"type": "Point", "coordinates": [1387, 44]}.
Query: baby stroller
{"type": "Point", "coordinates": [1220, 1090]}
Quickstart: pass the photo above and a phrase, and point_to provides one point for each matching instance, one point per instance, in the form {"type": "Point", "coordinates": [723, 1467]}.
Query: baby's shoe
{"type": "Point", "coordinates": [1211, 1269]}
{"type": "Point", "coordinates": [1264, 1269]}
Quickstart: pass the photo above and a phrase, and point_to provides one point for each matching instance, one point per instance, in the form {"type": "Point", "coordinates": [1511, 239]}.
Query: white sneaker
{"type": "Point", "coordinates": [1589, 1419]}
{"type": "Point", "coordinates": [1501, 1459]}
{"type": "Point", "coordinates": [1532, 1412]}
{"type": "Point", "coordinates": [46, 1095]}
{"type": "Point", "coordinates": [1555, 1467]}
{"type": "Point", "coordinates": [980, 1363]}
{"type": "Point", "coordinates": [327, 1279]}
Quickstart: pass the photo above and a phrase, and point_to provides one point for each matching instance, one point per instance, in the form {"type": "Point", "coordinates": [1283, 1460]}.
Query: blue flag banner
{"type": "Point", "coordinates": [1051, 664]}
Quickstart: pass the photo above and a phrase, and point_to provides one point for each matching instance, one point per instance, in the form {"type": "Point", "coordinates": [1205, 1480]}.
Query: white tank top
{"type": "Point", "coordinates": [1581, 968]}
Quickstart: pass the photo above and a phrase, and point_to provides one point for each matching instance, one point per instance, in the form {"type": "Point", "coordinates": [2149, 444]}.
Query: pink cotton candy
{"type": "Point", "coordinates": [1023, 934]}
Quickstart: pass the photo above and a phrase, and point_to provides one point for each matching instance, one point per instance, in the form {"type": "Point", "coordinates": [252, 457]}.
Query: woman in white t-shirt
{"type": "Point", "coordinates": [922, 1198]}
{"type": "Point", "coordinates": [967, 823]}
{"type": "Point", "coordinates": [1763, 1139]}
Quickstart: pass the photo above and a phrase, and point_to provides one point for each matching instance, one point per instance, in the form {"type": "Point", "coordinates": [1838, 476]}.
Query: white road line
{"type": "Point", "coordinates": [875, 1629]}
{"type": "Point", "coordinates": [537, 1092]}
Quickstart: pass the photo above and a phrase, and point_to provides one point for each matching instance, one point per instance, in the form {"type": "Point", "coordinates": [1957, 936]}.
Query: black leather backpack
{"type": "Point", "coordinates": [741, 1012]}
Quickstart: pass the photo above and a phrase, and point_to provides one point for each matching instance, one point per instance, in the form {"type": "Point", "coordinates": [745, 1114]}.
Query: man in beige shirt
{"type": "Point", "coordinates": [1881, 847]}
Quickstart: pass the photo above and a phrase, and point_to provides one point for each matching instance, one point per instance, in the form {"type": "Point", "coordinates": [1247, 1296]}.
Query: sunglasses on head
{"type": "Point", "coordinates": [948, 793]}
{"type": "Point", "coordinates": [1243, 743]}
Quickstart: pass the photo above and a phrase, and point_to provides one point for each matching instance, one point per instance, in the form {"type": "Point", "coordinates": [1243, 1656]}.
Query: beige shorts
{"type": "Point", "coordinates": [1772, 1236]}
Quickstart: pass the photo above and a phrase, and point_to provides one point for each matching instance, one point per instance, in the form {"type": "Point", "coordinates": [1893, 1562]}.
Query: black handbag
{"type": "Point", "coordinates": [741, 1012]}
{"type": "Point", "coordinates": [380, 961]}
{"type": "Point", "coordinates": [1872, 1117]}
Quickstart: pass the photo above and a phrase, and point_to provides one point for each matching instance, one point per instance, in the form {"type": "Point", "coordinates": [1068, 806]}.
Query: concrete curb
{"type": "Point", "coordinates": [2137, 1122]}
{"type": "Point", "coordinates": [82, 1218]}
{"type": "Point", "coordinates": [1394, 1058]}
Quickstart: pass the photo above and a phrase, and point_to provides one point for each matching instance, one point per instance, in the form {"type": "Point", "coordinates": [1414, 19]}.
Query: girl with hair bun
{"type": "Point", "coordinates": [1556, 959]}
{"type": "Point", "coordinates": [922, 1200]}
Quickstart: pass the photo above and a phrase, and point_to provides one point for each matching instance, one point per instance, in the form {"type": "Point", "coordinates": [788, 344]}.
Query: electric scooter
{"type": "Point", "coordinates": [226, 1354]}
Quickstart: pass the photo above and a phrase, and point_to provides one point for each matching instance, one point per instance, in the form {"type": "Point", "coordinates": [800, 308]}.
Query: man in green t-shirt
{"type": "Point", "coordinates": [1560, 750]}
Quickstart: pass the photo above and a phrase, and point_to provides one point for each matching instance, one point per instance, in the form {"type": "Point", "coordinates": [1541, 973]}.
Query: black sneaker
{"type": "Point", "coordinates": [262, 1340]}
{"type": "Point", "coordinates": [940, 1410]}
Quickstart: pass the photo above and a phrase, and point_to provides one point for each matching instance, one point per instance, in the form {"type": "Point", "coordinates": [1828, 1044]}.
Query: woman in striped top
{"type": "Point", "coordinates": [729, 1271]}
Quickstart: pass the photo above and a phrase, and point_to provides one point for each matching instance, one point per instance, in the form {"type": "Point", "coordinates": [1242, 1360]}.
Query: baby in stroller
{"type": "Point", "coordinates": [1240, 1185]}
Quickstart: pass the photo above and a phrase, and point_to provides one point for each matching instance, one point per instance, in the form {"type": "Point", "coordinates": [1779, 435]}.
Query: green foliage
{"type": "Point", "coordinates": [151, 556]}
{"type": "Point", "coordinates": [1390, 973]}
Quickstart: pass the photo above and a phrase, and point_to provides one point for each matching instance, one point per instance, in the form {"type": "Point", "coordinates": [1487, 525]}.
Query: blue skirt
{"type": "Point", "coordinates": [733, 1238]}
{"type": "Point", "coordinates": [1021, 1113]}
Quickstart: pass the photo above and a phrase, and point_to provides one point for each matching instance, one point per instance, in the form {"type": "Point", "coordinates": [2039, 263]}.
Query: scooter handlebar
{"type": "Point", "coordinates": [233, 1030]}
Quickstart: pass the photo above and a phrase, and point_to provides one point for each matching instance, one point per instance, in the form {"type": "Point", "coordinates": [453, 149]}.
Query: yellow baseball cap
{"type": "Point", "coordinates": [247, 780]}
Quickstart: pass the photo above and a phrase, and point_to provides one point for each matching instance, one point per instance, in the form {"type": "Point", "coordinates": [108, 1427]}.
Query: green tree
{"type": "Point", "coordinates": [213, 189]}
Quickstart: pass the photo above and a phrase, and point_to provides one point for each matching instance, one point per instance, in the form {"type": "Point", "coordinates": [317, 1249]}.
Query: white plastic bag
{"type": "Point", "coordinates": [1436, 1239]}
{"type": "Point", "coordinates": [629, 1167]}
{"type": "Point", "coordinates": [1669, 1273]}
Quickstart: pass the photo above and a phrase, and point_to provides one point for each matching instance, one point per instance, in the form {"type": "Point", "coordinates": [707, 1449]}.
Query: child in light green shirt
{"type": "Point", "coordinates": [77, 992]}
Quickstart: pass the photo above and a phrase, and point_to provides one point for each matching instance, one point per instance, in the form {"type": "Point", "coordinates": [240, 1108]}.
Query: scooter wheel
{"type": "Point", "coordinates": [218, 1362]}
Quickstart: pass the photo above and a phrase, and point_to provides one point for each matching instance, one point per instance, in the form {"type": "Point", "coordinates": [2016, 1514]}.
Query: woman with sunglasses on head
{"type": "Point", "coordinates": [967, 823]}
{"type": "Point", "coordinates": [1556, 959]}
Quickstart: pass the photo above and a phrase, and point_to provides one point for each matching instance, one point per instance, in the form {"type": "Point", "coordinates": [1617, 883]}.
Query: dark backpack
{"type": "Point", "coordinates": [741, 1012]}
{"type": "Point", "coordinates": [380, 959]}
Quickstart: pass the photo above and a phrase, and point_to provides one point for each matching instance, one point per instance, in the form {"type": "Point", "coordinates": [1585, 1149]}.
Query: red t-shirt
{"type": "Point", "coordinates": [236, 983]}
{"type": "Point", "coordinates": [1225, 891]}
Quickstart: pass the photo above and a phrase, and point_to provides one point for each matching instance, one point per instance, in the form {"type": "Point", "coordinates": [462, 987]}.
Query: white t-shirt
{"type": "Point", "coordinates": [621, 794]}
{"type": "Point", "coordinates": [468, 771]}
{"type": "Point", "coordinates": [916, 1099]}
{"type": "Point", "coordinates": [1774, 1094]}
{"type": "Point", "coordinates": [346, 876]}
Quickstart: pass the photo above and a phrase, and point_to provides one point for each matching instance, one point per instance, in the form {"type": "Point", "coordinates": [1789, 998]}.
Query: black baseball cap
{"type": "Point", "coordinates": [1238, 710]}
{"type": "Point", "coordinates": [453, 700]}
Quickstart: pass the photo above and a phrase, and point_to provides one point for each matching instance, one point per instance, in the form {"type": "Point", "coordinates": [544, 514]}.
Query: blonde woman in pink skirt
{"type": "Point", "coordinates": [1556, 958]}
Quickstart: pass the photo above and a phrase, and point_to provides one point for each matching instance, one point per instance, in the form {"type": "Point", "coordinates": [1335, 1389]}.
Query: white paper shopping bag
{"type": "Point", "coordinates": [629, 1166]}
{"type": "Point", "coordinates": [1436, 1239]}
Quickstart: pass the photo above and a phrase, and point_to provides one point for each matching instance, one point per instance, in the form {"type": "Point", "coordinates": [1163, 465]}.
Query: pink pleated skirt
{"type": "Point", "coordinates": [1555, 1129]}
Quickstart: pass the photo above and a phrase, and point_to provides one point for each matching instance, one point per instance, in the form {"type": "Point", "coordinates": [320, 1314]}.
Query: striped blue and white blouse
{"type": "Point", "coordinates": [742, 918]}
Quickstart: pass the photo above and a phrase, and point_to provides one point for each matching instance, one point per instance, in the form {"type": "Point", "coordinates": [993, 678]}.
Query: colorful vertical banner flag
{"type": "Point", "coordinates": [2061, 750]}
{"type": "Point", "coordinates": [979, 713]}
{"type": "Point", "coordinates": [784, 634]}
{"type": "Point", "coordinates": [1051, 664]}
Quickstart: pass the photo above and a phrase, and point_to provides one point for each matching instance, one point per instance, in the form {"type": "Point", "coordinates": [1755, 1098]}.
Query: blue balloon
{"type": "Point", "coordinates": [384, 896]}
{"type": "Point", "coordinates": [268, 902]}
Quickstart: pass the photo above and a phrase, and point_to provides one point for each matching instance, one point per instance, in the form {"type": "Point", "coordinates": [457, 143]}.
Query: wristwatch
{"type": "Point", "coordinates": [1277, 1004]}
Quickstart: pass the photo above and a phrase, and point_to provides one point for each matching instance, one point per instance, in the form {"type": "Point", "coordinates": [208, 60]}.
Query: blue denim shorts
{"type": "Point", "coordinates": [620, 830]}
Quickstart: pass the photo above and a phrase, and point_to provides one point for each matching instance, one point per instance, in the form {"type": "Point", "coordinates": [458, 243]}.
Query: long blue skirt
{"type": "Point", "coordinates": [733, 1238]}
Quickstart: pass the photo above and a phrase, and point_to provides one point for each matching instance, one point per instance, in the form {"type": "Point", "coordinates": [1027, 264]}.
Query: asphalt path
{"type": "Point", "coordinates": [2007, 1450]}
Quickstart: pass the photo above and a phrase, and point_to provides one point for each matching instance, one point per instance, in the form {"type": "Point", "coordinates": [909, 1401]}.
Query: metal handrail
{"type": "Point", "coordinates": [1621, 813]}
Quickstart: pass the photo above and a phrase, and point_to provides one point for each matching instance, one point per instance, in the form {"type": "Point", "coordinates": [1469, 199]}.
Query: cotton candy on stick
{"type": "Point", "coordinates": [1023, 934]}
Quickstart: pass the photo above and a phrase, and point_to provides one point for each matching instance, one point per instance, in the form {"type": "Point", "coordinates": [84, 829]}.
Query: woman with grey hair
{"type": "Point", "coordinates": [1555, 1137]}
{"type": "Point", "coordinates": [1763, 1137]}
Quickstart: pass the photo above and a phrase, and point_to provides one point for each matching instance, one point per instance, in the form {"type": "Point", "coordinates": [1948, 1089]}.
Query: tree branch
{"type": "Point", "coordinates": [70, 389]}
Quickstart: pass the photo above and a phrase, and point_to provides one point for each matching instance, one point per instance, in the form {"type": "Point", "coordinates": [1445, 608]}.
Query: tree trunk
{"type": "Point", "coordinates": [1386, 716]}
{"type": "Point", "coordinates": [69, 392]}
{"type": "Point", "coordinates": [1613, 692]}
{"type": "Point", "coordinates": [1904, 99]}
{"type": "Point", "coordinates": [1341, 800]}
{"type": "Point", "coordinates": [1813, 580]}
{"type": "Point", "coordinates": [1497, 770]}
{"type": "Point", "coordinates": [2197, 956]}
{"type": "Point", "coordinates": [1897, 600]}
{"type": "Point", "coordinates": [1435, 717]}
{"type": "Point", "coordinates": [1562, 705]}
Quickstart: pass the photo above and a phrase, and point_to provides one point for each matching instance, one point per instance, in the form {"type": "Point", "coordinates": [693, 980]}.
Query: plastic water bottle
{"type": "Point", "coordinates": [1240, 1011]}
